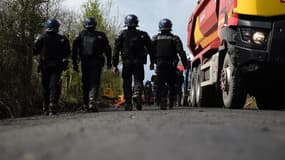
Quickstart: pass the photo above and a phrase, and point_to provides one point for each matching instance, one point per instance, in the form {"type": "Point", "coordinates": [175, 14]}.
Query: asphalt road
{"type": "Point", "coordinates": [182, 133]}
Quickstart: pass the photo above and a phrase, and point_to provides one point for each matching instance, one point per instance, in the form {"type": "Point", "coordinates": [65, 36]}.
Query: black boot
{"type": "Point", "coordinates": [85, 107]}
{"type": "Point", "coordinates": [185, 101]}
{"type": "Point", "coordinates": [138, 105]}
{"type": "Point", "coordinates": [45, 109]}
{"type": "Point", "coordinates": [137, 101]}
{"type": "Point", "coordinates": [128, 106]}
{"type": "Point", "coordinates": [92, 105]}
{"type": "Point", "coordinates": [171, 104]}
{"type": "Point", "coordinates": [52, 109]}
{"type": "Point", "coordinates": [163, 104]}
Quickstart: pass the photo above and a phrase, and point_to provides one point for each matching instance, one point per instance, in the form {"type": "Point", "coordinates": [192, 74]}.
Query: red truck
{"type": "Point", "coordinates": [238, 49]}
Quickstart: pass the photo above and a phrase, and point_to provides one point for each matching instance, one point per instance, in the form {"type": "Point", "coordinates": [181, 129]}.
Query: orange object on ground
{"type": "Point", "coordinates": [120, 101]}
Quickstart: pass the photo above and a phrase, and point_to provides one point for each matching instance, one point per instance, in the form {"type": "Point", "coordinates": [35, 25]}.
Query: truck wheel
{"type": "Point", "coordinates": [192, 98]}
{"type": "Point", "coordinates": [233, 91]}
{"type": "Point", "coordinates": [202, 93]}
{"type": "Point", "coordinates": [262, 102]}
{"type": "Point", "coordinates": [269, 102]}
{"type": "Point", "coordinates": [215, 97]}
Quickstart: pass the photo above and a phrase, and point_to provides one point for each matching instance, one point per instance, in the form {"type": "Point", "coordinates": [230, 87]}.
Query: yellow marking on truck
{"type": "Point", "coordinates": [199, 38]}
{"type": "Point", "coordinates": [221, 21]}
{"type": "Point", "coordinates": [207, 40]}
{"type": "Point", "coordinates": [198, 35]}
{"type": "Point", "coordinates": [264, 8]}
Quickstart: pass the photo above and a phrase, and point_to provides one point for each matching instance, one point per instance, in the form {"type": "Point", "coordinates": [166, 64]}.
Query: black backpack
{"type": "Point", "coordinates": [134, 43]}
{"type": "Point", "coordinates": [91, 44]}
{"type": "Point", "coordinates": [53, 47]}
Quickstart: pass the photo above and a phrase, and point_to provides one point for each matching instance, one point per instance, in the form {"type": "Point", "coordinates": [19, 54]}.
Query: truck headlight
{"type": "Point", "coordinates": [258, 38]}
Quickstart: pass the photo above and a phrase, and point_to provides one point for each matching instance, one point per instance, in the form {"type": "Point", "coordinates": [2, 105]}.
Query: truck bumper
{"type": "Point", "coordinates": [250, 57]}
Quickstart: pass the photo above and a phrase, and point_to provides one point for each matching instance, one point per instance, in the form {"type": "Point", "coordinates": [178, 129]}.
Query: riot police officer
{"type": "Point", "coordinates": [89, 47]}
{"type": "Point", "coordinates": [54, 50]}
{"type": "Point", "coordinates": [166, 46]}
{"type": "Point", "coordinates": [133, 45]}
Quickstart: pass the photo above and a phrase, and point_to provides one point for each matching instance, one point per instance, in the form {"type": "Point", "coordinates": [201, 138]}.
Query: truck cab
{"type": "Point", "coordinates": [238, 49]}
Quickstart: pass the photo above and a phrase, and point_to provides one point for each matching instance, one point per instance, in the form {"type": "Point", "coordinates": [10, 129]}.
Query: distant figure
{"type": "Point", "coordinates": [133, 45]}
{"type": "Point", "coordinates": [166, 47]}
{"type": "Point", "coordinates": [54, 50]}
{"type": "Point", "coordinates": [89, 47]}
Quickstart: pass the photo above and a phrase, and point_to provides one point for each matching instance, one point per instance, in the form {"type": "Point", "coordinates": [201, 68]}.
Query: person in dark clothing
{"type": "Point", "coordinates": [155, 88]}
{"type": "Point", "coordinates": [54, 51]}
{"type": "Point", "coordinates": [186, 83]}
{"type": "Point", "coordinates": [166, 46]}
{"type": "Point", "coordinates": [178, 84]}
{"type": "Point", "coordinates": [148, 92]}
{"type": "Point", "coordinates": [89, 47]}
{"type": "Point", "coordinates": [133, 45]}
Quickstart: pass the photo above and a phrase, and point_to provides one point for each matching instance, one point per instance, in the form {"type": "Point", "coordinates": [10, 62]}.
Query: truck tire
{"type": "Point", "coordinates": [262, 102]}
{"type": "Point", "coordinates": [233, 90]}
{"type": "Point", "coordinates": [192, 96]}
{"type": "Point", "coordinates": [269, 102]}
{"type": "Point", "coordinates": [202, 93]}
{"type": "Point", "coordinates": [215, 97]}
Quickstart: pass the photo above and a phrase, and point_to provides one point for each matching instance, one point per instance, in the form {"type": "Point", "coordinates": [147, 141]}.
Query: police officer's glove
{"type": "Point", "coordinates": [151, 66]}
{"type": "Point", "coordinates": [75, 67]}
{"type": "Point", "coordinates": [64, 64]}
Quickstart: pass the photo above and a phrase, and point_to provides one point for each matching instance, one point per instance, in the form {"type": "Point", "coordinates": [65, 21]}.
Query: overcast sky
{"type": "Point", "coordinates": [150, 12]}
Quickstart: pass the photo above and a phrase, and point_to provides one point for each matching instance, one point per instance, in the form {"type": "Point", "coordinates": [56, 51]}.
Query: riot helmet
{"type": "Point", "coordinates": [90, 22]}
{"type": "Point", "coordinates": [165, 25]}
{"type": "Point", "coordinates": [131, 21]}
{"type": "Point", "coordinates": [52, 25]}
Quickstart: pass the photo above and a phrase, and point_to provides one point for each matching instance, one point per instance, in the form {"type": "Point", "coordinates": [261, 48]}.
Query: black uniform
{"type": "Point", "coordinates": [54, 50]}
{"type": "Point", "coordinates": [166, 46]}
{"type": "Point", "coordinates": [89, 46]}
{"type": "Point", "coordinates": [133, 45]}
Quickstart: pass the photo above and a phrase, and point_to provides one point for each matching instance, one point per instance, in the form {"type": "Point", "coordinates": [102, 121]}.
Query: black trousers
{"type": "Point", "coordinates": [147, 95]}
{"type": "Point", "coordinates": [51, 85]}
{"type": "Point", "coordinates": [91, 82]}
{"type": "Point", "coordinates": [133, 73]}
{"type": "Point", "coordinates": [178, 92]}
{"type": "Point", "coordinates": [166, 77]}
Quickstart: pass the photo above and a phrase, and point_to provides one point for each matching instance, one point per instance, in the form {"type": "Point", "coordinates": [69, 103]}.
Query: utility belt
{"type": "Point", "coordinates": [51, 64]}
{"type": "Point", "coordinates": [128, 58]}
{"type": "Point", "coordinates": [95, 56]}
{"type": "Point", "coordinates": [173, 61]}
{"type": "Point", "coordinates": [92, 61]}
{"type": "Point", "coordinates": [133, 61]}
